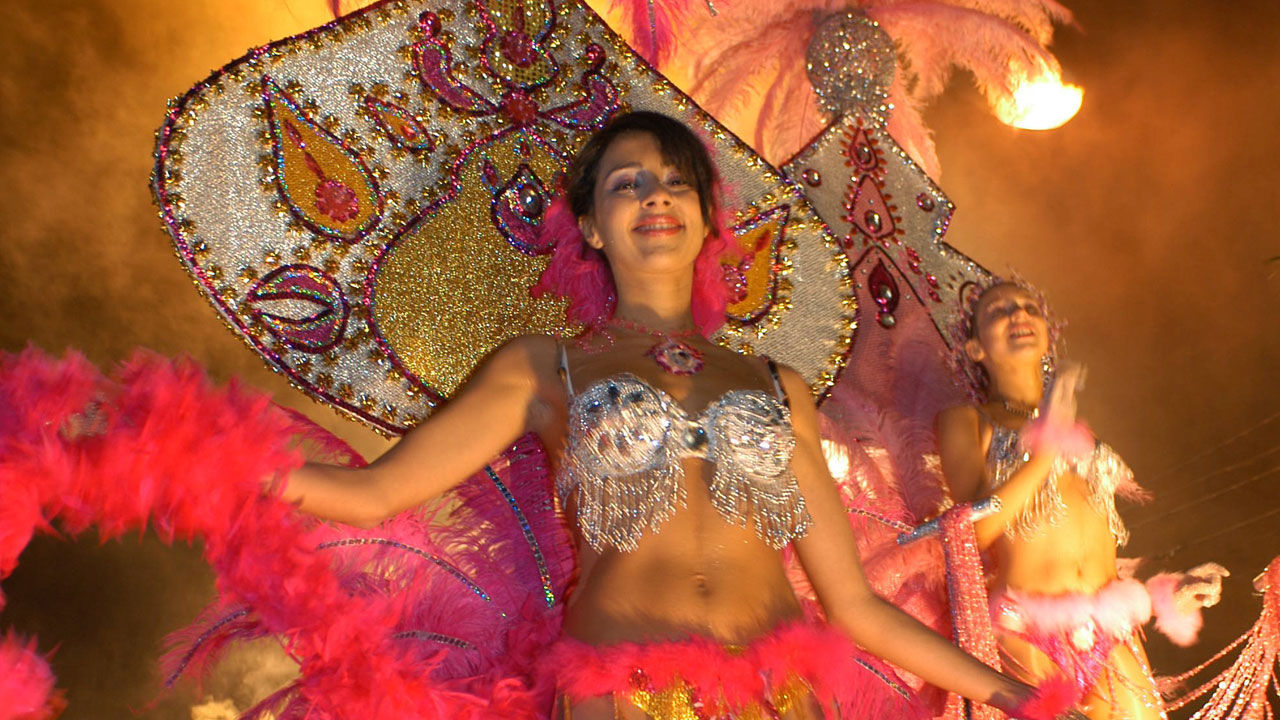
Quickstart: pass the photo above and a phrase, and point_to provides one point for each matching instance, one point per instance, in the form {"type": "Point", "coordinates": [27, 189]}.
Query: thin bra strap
{"type": "Point", "coordinates": [564, 369]}
{"type": "Point", "coordinates": [777, 382]}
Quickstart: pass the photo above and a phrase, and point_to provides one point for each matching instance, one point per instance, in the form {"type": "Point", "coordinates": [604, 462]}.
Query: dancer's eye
{"type": "Point", "coordinates": [999, 310]}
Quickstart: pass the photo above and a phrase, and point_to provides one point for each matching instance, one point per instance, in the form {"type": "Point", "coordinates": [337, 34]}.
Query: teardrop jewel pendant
{"type": "Point", "coordinates": [676, 357]}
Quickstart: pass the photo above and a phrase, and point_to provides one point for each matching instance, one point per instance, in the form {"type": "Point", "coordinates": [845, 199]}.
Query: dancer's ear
{"type": "Point", "coordinates": [587, 226]}
{"type": "Point", "coordinates": [973, 349]}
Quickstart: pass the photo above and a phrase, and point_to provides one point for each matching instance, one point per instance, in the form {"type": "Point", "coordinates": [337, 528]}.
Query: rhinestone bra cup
{"type": "Point", "coordinates": [623, 453]}
{"type": "Point", "coordinates": [1103, 472]}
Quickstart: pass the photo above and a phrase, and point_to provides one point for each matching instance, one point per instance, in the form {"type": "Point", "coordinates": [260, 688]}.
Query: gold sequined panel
{"type": "Point", "coordinates": [452, 288]}
{"type": "Point", "coordinates": [677, 702]}
{"type": "Point", "coordinates": [753, 279]}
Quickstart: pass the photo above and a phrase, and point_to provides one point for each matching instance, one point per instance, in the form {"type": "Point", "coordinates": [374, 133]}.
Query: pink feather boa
{"type": "Point", "coordinates": [156, 443]}
{"type": "Point", "coordinates": [1116, 609]}
{"type": "Point", "coordinates": [1055, 696]}
{"type": "Point", "coordinates": [26, 682]}
{"type": "Point", "coordinates": [1182, 628]}
{"type": "Point", "coordinates": [729, 680]}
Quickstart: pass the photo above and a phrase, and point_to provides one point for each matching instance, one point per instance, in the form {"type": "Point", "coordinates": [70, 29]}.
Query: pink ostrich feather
{"type": "Point", "coordinates": [729, 681]}
{"type": "Point", "coordinates": [749, 68]}
{"type": "Point", "coordinates": [935, 39]}
{"type": "Point", "coordinates": [1036, 17]}
{"type": "Point", "coordinates": [747, 63]}
{"type": "Point", "coordinates": [26, 682]}
{"type": "Point", "coordinates": [650, 26]}
{"type": "Point", "coordinates": [375, 630]}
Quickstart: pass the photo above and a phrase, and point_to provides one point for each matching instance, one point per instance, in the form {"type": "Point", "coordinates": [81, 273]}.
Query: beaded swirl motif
{"type": "Point", "coordinates": [1103, 472]}
{"type": "Point", "coordinates": [622, 462]}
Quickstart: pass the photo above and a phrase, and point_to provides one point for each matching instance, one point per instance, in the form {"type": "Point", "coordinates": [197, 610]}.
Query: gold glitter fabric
{"type": "Point", "coordinates": [361, 202]}
{"type": "Point", "coordinates": [676, 702]}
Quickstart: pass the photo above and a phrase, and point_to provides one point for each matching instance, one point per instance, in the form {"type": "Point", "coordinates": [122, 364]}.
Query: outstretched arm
{"type": "Point", "coordinates": [504, 399]}
{"type": "Point", "coordinates": [829, 554]}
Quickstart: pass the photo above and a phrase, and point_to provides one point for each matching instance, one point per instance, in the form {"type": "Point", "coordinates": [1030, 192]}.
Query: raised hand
{"type": "Point", "coordinates": [1200, 587]}
{"type": "Point", "coordinates": [1060, 401]}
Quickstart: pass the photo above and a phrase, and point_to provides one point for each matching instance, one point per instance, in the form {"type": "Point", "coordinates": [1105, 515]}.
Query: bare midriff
{"type": "Point", "coordinates": [697, 576]}
{"type": "Point", "coordinates": [1075, 555]}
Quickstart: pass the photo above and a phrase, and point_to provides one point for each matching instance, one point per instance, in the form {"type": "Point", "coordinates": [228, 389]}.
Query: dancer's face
{"type": "Point", "coordinates": [646, 216]}
{"type": "Point", "coordinates": [1010, 328]}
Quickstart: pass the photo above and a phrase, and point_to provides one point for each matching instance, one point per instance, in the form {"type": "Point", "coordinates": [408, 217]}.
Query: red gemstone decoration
{"type": "Point", "coordinates": [518, 48]}
{"type": "Point", "coordinates": [429, 23]}
{"type": "Point", "coordinates": [735, 278]}
{"type": "Point", "coordinates": [860, 152]}
{"type": "Point", "coordinates": [675, 357]}
{"type": "Point", "coordinates": [336, 200]}
{"type": "Point", "coordinates": [519, 108]}
{"type": "Point", "coordinates": [640, 680]}
{"type": "Point", "coordinates": [884, 290]}
{"type": "Point", "coordinates": [868, 210]}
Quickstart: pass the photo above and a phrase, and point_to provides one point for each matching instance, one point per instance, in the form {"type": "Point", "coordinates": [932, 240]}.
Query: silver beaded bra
{"type": "Point", "coordinates": [623, 451]}
{"type": "Point", "coordinates": [1103, 471]}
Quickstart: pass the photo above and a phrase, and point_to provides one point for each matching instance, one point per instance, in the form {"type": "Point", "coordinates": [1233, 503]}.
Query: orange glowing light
{"type": "Point", "coordinates": [1041, 103]}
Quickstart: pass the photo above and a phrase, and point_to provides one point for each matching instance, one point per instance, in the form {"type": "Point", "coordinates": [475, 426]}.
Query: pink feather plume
{"type": "Point", "coordinates": [1182, 628]}
{"type": "Point", "coordinates": [747, 63]}
{"type": "Point", "coordinates": [26, 682]}
{"type": "Point", "coordinates": [369, 615]}
{"type": "Point", "coordinates": [1054, 697]}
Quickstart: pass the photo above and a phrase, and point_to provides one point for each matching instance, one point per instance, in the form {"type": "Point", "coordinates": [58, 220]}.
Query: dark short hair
{"type": "Point", "coordinates": [677, 143]}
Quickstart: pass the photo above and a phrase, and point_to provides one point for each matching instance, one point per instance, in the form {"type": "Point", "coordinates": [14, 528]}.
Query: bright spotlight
{"type": "Point", "coordinates": [1041, 103]}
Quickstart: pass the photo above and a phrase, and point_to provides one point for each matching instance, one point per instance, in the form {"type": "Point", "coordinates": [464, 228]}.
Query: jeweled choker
{"type": "Point", "coordinates": [672, 354]}
{"type": "Point", "coordinates": [1018, 409]}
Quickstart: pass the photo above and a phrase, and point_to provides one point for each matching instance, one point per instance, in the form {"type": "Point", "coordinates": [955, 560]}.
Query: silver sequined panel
{"type": "Point", "coordinates": [626, 441]}
{"type": "Point", "coordinates": [620, 464]}
{"type": "Point", "coordinates": [1103, 472]}
{"type": "Point", "coordinates": [751, 446]}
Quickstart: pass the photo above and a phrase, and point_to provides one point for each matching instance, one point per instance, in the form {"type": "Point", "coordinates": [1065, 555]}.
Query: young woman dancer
{"type": "Point", "coordinates": [684, 469]}
{"type": "Point", "coordinates": [1058, 604]}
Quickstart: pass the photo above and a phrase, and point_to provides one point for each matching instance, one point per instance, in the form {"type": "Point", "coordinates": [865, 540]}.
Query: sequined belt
{"type": "Point", "coordinates": [797, 669]}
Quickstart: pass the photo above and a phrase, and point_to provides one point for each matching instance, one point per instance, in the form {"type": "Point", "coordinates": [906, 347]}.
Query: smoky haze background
{"type": "Point", "coordinates": [1148, 220]}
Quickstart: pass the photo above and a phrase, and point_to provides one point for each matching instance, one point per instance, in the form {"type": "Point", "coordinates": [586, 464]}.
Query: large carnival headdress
{"type": "Point", "coordinates": [361, 202]}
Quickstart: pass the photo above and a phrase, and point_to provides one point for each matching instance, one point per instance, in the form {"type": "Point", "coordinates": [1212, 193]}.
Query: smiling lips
{"type": "Point", "coordinates": [659, 225]}
{"type": "Point", "coordinates": [1022, 332]}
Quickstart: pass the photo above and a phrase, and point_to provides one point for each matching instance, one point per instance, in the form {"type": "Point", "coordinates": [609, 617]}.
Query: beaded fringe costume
{"type": "Point", "coordinates": [622, 470]}
{"type": "Point", "coordinates": [1104, 472]}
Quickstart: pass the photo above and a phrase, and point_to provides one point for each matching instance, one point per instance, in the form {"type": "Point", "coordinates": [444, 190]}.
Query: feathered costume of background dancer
{"type": "Point", "coordinates": [1057, 602]}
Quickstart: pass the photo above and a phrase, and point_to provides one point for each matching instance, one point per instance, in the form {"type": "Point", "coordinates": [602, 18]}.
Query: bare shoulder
{"type": "Point", "coordinates": [962, 446]}
{"type": "Point", "coordinates": [794, 383]}
{"type": "Point", "coordinates": [534, 353]}
{"type": "Point", "coordinates": [804, 411]}
{"type": "Point", "coordinates": [525, 365]}
{"type": "Point", "coordinates": [959, 417]}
